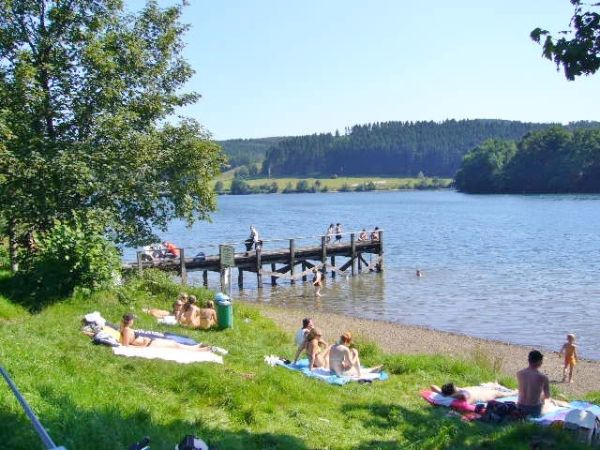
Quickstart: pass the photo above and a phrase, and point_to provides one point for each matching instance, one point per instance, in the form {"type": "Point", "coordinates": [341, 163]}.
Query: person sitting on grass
{"type": "Point", "coordinates": [473, 394]}
{"type": "Point", "coordinates": [177, 309]}
{"type": "Point", "coordinates": [207, 317]}
{"type": "Point", "coordinates": [344, 361]}
{"type": "Point", "coordinates": [129, 337]}
{"type": "Point", "coordinates": [307, 325]}
{"type": "Point", "coordinates": [316, 349]}
{"type": "Point", "coordinates": [189, 314]}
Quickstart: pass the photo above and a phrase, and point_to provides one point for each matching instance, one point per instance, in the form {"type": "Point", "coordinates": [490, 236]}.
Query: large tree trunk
{"type": "Point", "coordinates": [12, 246]}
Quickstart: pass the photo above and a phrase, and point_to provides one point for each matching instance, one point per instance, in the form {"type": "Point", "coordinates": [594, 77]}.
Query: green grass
{"type": "Point", "coordinates": [335, 184]}
{"type": "Point", "coordinates": [89, 399]}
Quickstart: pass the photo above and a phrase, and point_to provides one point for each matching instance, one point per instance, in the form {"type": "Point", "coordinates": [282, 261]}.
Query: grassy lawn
{"type": "Point", "coordinates": [89, 399]}
{"type": "Point", "coordinates": [336, 184]}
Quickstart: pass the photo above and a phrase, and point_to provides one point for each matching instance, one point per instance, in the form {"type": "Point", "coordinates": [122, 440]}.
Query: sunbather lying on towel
{"type": "Point", "coordinates": [316, 349]}
{"type": "Point", "coordinates": [128, 337]}
{"type": "Point", "coordinates": [474, 394]}
{"type": "Point", "coordinates": [344, 361]}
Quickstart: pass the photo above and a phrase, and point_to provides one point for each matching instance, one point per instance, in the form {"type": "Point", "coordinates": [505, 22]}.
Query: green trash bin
{"type": "Point", "coordinates": [224, 311]}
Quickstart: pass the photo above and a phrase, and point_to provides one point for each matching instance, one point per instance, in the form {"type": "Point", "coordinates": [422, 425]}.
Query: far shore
{"type": "Point", "coordinates": [409, 339]}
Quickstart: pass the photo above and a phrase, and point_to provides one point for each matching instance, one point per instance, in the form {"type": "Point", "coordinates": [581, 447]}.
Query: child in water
{"type": "Point", "coordinates": [569, 349]}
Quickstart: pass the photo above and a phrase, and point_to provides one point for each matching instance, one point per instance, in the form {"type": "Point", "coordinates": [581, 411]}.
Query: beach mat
{"type": "Point", "coordinates": [180, 356]}
{"type": "Point", "coordinates": [556, 415]}
{"type": "Point", "coordinates": [325, 374]}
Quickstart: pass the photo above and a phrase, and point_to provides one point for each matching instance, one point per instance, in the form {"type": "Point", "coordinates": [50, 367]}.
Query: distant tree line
{"type": "Point", "coordinates": [399, 149]}
{"type": "Point", "coordinates": [554, 160]}
{"type": "Point", "coordinates": [247, 152]}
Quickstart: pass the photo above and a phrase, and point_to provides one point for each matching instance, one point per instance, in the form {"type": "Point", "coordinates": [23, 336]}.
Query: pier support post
{"type": "Point", "coordinates": [304, 278]}
{"type": "Point", "coordinates": [273, 278]}
{"type": "Point", "coordinates": [324, 254]}
{"type": "Point", "coordinates": [359, 257]}
{"type": "Point", "coordinates": [333, 265]}
{"type": "Point", "coordinates": [205, 278]}
{"type": "Point", "coordinates": [353, 253]}
{"type": "Point", "coordinates": [240, 277]}
{"type": "Point", "coordinates": [182, 268]}
{"type": "Point", "coordinates": [259, 267]}
{"type": "Point", "coordinates": [292, 260]}
{"type": "Point", "coordinates": [380, 265]}
{"type": "Point", "coordinates": [223, 279]}
{"type": "Point", "coordinates": [140, 263]}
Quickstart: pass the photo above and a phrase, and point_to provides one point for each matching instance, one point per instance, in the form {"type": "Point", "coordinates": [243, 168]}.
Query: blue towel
{"type": "Point", "coordinates": [328, 377]}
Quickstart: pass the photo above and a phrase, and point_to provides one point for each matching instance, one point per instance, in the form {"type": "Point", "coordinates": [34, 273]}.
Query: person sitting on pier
{"type": "Point", "coordinates": [338, 232]}
{"type": "Point", "coordinates": [316, 349]}
{"type": "Point", "coordinates": [363, 236]}
{"type": "Point", "coordinates": [344, 361]}
{"type": "Point", "coordinates": [207, 317]}
{"type": "Point", "coordinates": [129, 337]}
{"type": "Point", "coordinates": [171, 251]}
{"type": "Point", "coordinates": [375, 235]}
{"type": "Point", "coordinates": [329, 234]}
{"type": "Point", "coordinates": [307, 325]}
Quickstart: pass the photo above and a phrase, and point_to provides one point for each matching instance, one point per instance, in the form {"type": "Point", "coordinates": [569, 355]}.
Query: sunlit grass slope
{"type": "Point", "coordinates": [90, 399]}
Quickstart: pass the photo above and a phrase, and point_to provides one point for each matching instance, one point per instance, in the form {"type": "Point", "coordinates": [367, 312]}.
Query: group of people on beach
{"type": "Point", "coordinates": [186, 312]}
{"type": "Point", "coordinates": [533, 386]}
{"type": "Point", "coordinates": [339, 358]}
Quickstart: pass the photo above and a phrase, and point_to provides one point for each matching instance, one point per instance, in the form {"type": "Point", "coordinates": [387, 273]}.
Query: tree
{"type": "Point", "coordinates": [482, 168]}
{"type": "Point", "coordinates": [578, 51]}
{"type": "Point", "coordinates": [240, 187]}
{"type": "Point", "coordinates": [86, 90]}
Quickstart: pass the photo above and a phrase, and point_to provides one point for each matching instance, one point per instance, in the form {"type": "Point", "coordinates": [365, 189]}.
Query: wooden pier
{"type": "Point", "coordinates": [295, 263]}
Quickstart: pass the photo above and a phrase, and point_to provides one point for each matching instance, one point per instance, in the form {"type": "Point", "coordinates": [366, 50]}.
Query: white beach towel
{"type": "Point", "coordinates": [168, 354]}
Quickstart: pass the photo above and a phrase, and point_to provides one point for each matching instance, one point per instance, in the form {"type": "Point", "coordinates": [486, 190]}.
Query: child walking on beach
{"type": "Point", "coordinates": [569, 349]}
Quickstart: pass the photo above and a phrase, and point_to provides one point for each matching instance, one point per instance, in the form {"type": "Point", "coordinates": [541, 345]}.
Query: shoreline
{"type": "Point", "coordinates": [414, 339]}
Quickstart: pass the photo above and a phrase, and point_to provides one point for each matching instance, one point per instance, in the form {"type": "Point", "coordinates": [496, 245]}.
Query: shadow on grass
{"type": "Point", "coordinates": [432, 428]}
{"type": "Point", "coordinates": [113, 429]}
{"type": "Point", "coordinates": [20, 289]}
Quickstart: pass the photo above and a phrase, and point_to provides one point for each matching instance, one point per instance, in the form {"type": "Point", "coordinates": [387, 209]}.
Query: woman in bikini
{"type": "Point", "coordinates": [129, 337]}
{"type": "Point", "coordinates": [316, 349]}
{"type": "Point", "coordinates": [207, 317]}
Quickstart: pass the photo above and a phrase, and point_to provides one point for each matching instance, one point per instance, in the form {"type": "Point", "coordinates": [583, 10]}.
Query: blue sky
{"type": "Point", "coordinates": [279, 68]}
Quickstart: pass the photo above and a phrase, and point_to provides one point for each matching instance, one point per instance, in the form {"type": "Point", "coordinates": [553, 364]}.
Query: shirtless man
{"type": "Point", "coordinates": [317, 281]}
{"type": "Point", "coordinates": [534, 386]}
{"type": "Point", "coordinates": [344, 361]}
{"type": "Point", "coordinates": [473, 394]}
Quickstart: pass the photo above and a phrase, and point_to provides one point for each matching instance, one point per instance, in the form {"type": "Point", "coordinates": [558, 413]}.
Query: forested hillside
{"type": "Point", "coordinates": [554, 160]}
{"type": "Point", "coordinates": [392, 148]}
{"type": "Point", "coordinates": [242, 152]}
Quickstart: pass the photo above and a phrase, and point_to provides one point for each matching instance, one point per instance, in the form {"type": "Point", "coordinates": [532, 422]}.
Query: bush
{"type": "Point", "coordinates": [345, 188]}
{"type": "Point", "coordinates": [71, 255]}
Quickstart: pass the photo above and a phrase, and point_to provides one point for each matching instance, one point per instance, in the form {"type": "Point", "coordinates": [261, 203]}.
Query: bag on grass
{"type": "Point", "coordinates": [499, 412]}
{"type": "Point", "coordinates": [191, 442]}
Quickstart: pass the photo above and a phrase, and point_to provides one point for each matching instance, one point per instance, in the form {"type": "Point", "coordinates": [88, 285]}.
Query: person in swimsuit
{"type": "Point", "coordinates": [344, 361]}
{"type": "Point", "coordinates": [473, 394]}
{"type": "Point", "coordinates": [329, 234]}
{"type": "Point", "coordinates": [177, 309]}
{"type": "Point", "coordinates": [569, 349]}
{"type": "Point", "coordinates": [317, 281]}
{"type": "Point", "coordinates": [316, 349]}
{"type": "Point", "coordinates": [128, 337]}
{"type": "Point", "coordinates": [375, 235]}
{"type": "Point", "coordinates": [534, 386]}
{"type": "Point", "coordinates": [189, 314]}
{"type": "Point", "coordinates": [338, 232]}
{"type": "Point", "coordinates": [207, 317]}
{"type": "Point", "coordinates": [363, 236]}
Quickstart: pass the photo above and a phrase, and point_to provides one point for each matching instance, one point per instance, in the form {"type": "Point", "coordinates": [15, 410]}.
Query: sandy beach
{"type": "Point", "coordinates": [407, 339]}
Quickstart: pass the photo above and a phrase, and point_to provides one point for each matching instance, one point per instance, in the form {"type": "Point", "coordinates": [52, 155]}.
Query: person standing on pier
{"type": "Point", "coordinates": [338, 232]}
{"type": "Point", "coordinates": [330, 232]}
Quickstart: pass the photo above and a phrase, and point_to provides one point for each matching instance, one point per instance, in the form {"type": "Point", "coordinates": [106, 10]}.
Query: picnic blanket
{"type": "Point", "coordinates": [181, 356]}
{"type": "Point", "coordinates": [325, 374]}
{"type": "Point", "coordinates": [557, 414]}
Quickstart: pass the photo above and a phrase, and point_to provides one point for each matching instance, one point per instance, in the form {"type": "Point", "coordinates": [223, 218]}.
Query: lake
{"type": "Point", "coordinates": [521, 269]}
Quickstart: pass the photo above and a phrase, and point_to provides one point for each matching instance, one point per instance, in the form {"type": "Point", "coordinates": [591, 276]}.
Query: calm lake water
{"type": "Point", "coordinates": [521, 269]}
